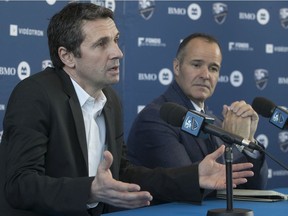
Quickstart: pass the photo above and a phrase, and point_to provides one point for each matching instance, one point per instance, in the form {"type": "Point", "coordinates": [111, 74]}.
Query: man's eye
{"type": "Point", "coordinates": [196, 65]}
{"type": "Point", "coordinates": [214, 69]}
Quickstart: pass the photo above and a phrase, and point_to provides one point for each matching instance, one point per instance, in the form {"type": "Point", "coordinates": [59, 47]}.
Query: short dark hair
{"type": "Point", "coordinates": [65, 28]}
{"type": "Point", "coordinates": [181, 49]}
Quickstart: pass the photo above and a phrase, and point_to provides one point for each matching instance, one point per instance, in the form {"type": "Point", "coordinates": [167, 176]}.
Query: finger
{"type": "Point", "coordinates": [239, 181]}
{"type": "Point", "coordinates": [216, 154]}
{"type": "Point", "coordinates": [242, 174]}
{"type": "Point", "coordinates": [241, 166]}
{"type": "Point", "coordinates": [124, 187]}
{"type": "Point", "coordinates": [225, 110]}
{"type": "Point", "coordinates": [130, 199]}
{"type": "Point", "coordinates": [106, 163]}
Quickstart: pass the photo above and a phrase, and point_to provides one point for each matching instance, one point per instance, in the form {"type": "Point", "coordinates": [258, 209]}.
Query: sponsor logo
{"type": "Point", "coordinates": [262, 16]}
{"type": "Point", "coordinates": [280, 173]}
{"type": "Point", "coordinates": [239, 46]}
{"type": "Point", "coordinates": [223, 79]}
{"type": "Point", "coordinates": [236, 78]}
{"type": "Point", "coordinates": [2, 106]}
{"type": "Point", "coordinates": [283, 80]}
{"type": "Point", "coordinates": [165, 76]}
{"type": "Point", "coordinates": [247, 16]}
{"type": "Point", "coordinates": [7, 71]}
{"type": "Point", "coordinates": [146, 8]}
{"type": "Point", "coordinates": [190, 123]}
{"type": "Point", "coordinates": [277, 173]}
{"type": "Point", "coordinates": [194, 11]}
{"type": "Point", "coordinates": [220, 11]}
{"type": "Point", "coordinates": [283, 15]}
{"type": "Point", "coordinates": [176, 11]}
{"type": "Point", "coordinates": [15, 31]}
{"type": "Point", "coordinates": [147, 77]}
{"type": "Point", "coordinates": [271, 48]}
{"type": "Point", "coordinates": [51, 2]}
{"type": "Point", "coordinates": [105, 3]}
{"type": "Point", "coordinates": [46, 63]}
{"type": "Point", "coordinates": [283, 141]}
{"type": "Point", "coordinates": [152, 42]}
{"type": "Point", "coordinates": [261, 78]}
{"type": "Point", "coordinates": [263, 139]}
{"type": "Point", "coordinates": [23, 70]}
{"type": "Point", "coordinates": [270, 173]}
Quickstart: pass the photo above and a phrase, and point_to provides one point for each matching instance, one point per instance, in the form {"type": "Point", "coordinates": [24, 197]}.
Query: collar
{"type": "Point", "coordinates": [87, 102]}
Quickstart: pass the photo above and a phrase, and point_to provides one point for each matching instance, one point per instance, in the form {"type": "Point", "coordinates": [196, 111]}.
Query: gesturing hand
{"type": "Point", "coordinates": [212, 175]}
{"type": "Point", "coordinates": [108, 190]}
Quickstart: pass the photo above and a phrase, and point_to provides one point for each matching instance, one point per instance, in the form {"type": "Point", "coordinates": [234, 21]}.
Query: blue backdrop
{"type": "Point", "coordinates": [253, 36]}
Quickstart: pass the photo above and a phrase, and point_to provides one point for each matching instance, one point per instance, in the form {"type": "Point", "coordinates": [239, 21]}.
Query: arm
{"type": "Point", "coordinates": [174, 184]}
{"type": "Point", "coordinates": [241, 119]}
{"type": "Point", "coordinates": [33, 168]}
{"type": "Point", "coordinates": [152, 141]}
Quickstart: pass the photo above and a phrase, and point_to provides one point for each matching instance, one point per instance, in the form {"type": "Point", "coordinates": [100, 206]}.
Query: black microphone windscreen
{"type": "Point", "coordinates": [173, 113]}
{"type": "Point", "coordinates": [263, 106]}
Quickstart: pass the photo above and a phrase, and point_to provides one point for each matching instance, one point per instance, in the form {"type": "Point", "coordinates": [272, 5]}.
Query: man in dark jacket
{"type": "Point", "coordinates": [62, 150]}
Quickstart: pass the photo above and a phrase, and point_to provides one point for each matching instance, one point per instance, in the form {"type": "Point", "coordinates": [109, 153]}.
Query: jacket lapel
{"type": "Point", "coordinates": [77, 113]}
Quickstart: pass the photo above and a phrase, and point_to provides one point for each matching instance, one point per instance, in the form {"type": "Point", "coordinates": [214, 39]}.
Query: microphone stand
{"type": "Point", "coordinates": [229, 211]}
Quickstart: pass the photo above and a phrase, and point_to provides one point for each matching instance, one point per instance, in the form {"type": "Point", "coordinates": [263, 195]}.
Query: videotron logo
{"type": "Point", "coordinates": [15, 31]}
{"type": "Point", "coordinates": [271, 48]}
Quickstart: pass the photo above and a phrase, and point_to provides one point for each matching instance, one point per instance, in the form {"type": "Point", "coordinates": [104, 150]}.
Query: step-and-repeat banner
{"type": "Point", "coordinates": [253, 36]}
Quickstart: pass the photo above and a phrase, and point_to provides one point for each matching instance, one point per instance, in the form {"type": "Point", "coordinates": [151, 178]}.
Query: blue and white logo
{"type": "Point", "coordinates": [283, 15]}
{"type": "Point", "coordinates": [261, 78]}
{"type": "Point", "coordinates": [146, 8]}
{"type": "Point", "coordinates": [220, 11]}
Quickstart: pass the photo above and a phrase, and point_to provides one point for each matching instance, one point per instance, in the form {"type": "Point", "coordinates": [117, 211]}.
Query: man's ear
{"type": "Point", "coordinates": [176, 66]}
{"type": "Point", "coordinates": [66, 57]}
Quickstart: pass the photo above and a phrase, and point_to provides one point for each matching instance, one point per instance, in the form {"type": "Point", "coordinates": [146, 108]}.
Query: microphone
{"type": "Point", "coordinates": [193, 122]}
{"type": "Point", "coordinates": [266, 108]}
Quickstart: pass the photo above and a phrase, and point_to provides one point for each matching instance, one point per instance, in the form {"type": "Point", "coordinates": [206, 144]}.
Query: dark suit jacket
{"type": "Point", "coordinates": [43, 153]}
{"type": "Point", "coordinates": [154, 143]}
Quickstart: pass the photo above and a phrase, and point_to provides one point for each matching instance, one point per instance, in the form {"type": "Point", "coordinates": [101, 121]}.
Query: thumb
{"type": "Point", "coordinates": [225, 110]}
{"type": "Point", "coordinates": [216, 154]}
{"type": "Point", "coordinates": [106, 163]}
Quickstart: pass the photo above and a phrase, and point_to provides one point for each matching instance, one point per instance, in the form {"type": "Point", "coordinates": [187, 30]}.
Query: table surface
{"type": "Point", "coordinates": [279, 208]}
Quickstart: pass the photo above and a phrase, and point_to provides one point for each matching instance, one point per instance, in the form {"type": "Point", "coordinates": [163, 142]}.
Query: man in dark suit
{"type": "Point", "coordinates": [154, 143]}
{"type": "Point", "coordinates": [60, 122]}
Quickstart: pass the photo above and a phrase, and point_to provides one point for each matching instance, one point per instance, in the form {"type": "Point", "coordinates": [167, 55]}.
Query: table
{"type": "Point", "coordinates": [279, 208]}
